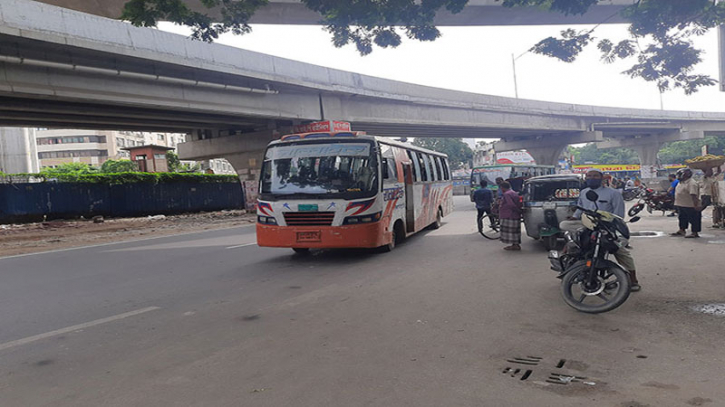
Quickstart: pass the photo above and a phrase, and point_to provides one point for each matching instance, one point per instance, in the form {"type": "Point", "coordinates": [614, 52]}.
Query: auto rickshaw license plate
{"type": "Point", "coordinates": [311, 236]}
{"type": "Point", "coordinates": [549, 205]}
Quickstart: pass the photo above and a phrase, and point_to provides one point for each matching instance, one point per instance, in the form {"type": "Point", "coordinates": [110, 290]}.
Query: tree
{"type": "Point", "coordinates": [458, 152]}
{"type": "Point", "coordinates": [116, 166]}
{"type": "Point", "coordinates": [589, 153]}
{"type": "Point", "coordinates": [677, 152]}
{"type": "Point", "coordinates": [660, 31]}
{"type": "Point", "coordinates": [69, 168]}
{"type": "Point", "coordinates": [172, 161]}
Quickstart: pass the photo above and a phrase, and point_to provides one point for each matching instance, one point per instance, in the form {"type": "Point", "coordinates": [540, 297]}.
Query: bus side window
{"type": "Point", "coordinates": [441, 177]}
{"type": "Point", "coordinates": [422, 167]}
{"type": "Point", "coordinates": [428, 167]}
{"type": "Point", "coordinates": [447, 173]}
{"type": "Point", "coordinates": [416, 165]}
{"type": "Point", "coordinates": [388, 165]}
{"type": "Point", "coordinates": [434, 170]}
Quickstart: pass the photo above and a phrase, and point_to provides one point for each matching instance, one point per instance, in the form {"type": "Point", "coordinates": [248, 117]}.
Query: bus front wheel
{"type": "Point", "coordinates": [397, 237]}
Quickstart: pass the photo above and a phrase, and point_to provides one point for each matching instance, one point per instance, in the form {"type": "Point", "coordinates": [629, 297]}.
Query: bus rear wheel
{"type": "Point", "coordinates": [438, 222]}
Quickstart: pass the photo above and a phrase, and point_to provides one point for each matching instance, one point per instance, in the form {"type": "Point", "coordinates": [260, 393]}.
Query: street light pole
{"type": "Point", "coordinates": [516, 85]}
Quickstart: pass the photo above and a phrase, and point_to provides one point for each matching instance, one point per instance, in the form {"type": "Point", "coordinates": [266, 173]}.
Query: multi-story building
{"type": "Point", "coordinates": [93, 147]}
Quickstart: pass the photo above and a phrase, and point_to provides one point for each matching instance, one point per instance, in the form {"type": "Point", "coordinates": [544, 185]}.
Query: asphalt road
{"type": "Point", "coordinates": [210, 319]}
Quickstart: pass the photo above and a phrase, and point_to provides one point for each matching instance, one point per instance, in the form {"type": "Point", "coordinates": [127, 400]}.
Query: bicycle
{"type": "Point", "coordinates": [491, 225]}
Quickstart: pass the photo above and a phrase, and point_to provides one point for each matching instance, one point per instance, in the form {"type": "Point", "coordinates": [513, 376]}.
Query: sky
{"type": "Point", "coordinates": [478, 59]}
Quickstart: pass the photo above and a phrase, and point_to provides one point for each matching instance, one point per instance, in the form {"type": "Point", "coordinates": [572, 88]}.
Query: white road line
{"type": "Point", "coordinates": [241, 245]}
{"type": "Point", "coordinates": [61, 331]}
{"type": "Point", "coordinates": [121, 242]}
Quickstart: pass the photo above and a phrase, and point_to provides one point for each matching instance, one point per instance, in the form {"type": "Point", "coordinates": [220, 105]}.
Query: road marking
{"type": "Point", "coordinates": [122, 242]}
{"type": "Point", "coordinates": [61, 331]}
{"type": "Point", "coordinates": [241, 245]}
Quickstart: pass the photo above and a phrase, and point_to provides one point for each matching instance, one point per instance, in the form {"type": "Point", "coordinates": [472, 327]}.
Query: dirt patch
{"type": "Point", "coordinates": [62, 234]}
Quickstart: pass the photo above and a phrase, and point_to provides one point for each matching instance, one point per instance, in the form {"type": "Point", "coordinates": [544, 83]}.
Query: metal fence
{"type": "Point", "coordinates": [34, 201]}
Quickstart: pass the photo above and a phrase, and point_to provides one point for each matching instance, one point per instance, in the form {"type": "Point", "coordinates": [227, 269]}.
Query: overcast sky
{"type": "Point", "coordinates": [478, 59]}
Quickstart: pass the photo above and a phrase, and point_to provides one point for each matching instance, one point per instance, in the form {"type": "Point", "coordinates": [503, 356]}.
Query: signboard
{"type": "Point", "coordinates": [323, 127]}
{"type": "Point", "coordinates": [319, 150]}
{"type": "Point", "coordinates": [606, 167]}
{"type": "Point", "coordinates": [514, 157]}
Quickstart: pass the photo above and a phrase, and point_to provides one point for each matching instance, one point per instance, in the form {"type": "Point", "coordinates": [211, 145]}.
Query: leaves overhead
{"type": "Point", "coordinates": [459, 153]}
{"type": "Point", "coordinates": [660, 32]}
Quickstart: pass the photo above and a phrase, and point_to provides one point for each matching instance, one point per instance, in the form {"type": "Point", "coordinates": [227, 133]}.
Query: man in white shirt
{"type": "Point", "coordinates": [687, 201]}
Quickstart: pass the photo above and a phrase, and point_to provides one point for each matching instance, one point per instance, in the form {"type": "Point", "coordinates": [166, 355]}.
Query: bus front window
{"type": "Point", "coordinates": [344, 170]}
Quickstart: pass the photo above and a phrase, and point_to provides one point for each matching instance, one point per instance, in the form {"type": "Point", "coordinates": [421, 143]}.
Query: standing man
{"type": "Point", "coordinates": [483, 197]}
{"type": "Point", "coordinates": [707, 189]}
{"type": "Point", "coordinates": [671, 190]}
{"type": "Point", "coordinates": [687, 201]}
{"type": "Point", "coordinates": [610, 200]}
{"type": "Point", "coordinates": [509, 212]}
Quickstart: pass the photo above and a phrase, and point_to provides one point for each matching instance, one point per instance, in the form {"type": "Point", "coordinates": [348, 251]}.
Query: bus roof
{"type": "Point", "coordinates": [351, 135]}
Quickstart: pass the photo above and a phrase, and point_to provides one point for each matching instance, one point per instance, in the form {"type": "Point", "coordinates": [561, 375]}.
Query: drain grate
{"type": "Point", "coordinates": [524, 372]}
{"type": "Point", "coordinates": [647, 233]}
{"type": "Point", "coordinates": [558, 378]}
{"type": "Point", "coordinates": [529, 360]}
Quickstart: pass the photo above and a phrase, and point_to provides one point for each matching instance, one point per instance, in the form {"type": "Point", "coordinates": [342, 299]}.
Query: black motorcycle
{"type": "Point", "coordinates": [589, 281]}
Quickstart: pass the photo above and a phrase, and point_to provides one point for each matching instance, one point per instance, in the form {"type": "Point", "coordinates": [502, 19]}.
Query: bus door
{"type": "Point", "coordinates": [409, 198]}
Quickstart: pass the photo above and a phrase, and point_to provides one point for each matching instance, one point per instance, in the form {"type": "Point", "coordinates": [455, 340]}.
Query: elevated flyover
{"type": "Point", "coordinates": [62, 68]}
{"type": "Point", "coordinates": [476, 13]}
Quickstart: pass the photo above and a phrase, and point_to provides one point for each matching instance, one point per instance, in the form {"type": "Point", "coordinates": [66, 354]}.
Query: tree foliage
{"type": "Point", "coordinates": [677, 152]}
{"type": "Point", "coordinates": [68, 168]}
{"type": "Point", "coordinates": [115, 166]}
{"type": "Point", "coordinates": [590, 154]}
{"type": "Point", "coordinates": [459, 153]}
{"type": "Point", "coordinates": [660, 32]}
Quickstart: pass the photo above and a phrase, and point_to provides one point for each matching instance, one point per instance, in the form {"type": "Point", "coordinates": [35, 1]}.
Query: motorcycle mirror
{"type": "Point", "coordinates": [634, 219]}
{"type": "Point", "coordinates": [592, 196]}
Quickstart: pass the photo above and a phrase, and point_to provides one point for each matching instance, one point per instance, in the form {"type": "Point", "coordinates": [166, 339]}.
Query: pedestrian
{"type": "Point", "coordinates": [483, 198]}
{"type": "Point", "coordinates": [509, 212]}
{"type": "Point", "coordinates": [687, 201]}
{"type": "Point", "coordinates": [610, 200]}
{"type": "Point", "coordinates": [708, 187]}
{"type": "Point", "coordinates": [499, 180]}
{"type": "Point", "coordinates": [671, 190]}
{"type": "Point", "coordinates": [718, 197]}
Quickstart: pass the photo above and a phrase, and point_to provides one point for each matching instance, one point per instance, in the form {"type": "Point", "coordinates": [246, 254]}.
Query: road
{"type": "Point", "coordinates": [210, 319]}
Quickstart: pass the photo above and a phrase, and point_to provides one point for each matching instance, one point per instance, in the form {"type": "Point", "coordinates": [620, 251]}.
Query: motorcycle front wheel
{"type": "Point", "coordinates": [610, 290]}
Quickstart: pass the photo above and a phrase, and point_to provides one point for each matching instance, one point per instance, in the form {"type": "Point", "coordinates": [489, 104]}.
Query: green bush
{"type": "Point", "coordinates": [115, 166]}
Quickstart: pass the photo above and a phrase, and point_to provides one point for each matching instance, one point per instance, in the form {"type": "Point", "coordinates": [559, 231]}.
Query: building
{"type": "Point", "coordinates": [94, 147]}
{"type": "Point", "coordinates": [149, 158]}
{"type": "Point", "coordinates": [18, 153]}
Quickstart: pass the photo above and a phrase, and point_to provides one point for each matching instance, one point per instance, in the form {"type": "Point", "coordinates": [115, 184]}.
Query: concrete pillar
{"type": "Point", "coordinates": [547, 155]}
{"type": "Point", "coordinates": [245, 152]}
{"type": "Point", "coordinates": [18, 150]}
{"type": "Point", "coordinates": [648, 159]}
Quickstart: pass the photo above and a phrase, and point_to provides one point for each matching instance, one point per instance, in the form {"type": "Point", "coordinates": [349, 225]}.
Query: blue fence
{"type": "Point", "coordinates": [28, 202]}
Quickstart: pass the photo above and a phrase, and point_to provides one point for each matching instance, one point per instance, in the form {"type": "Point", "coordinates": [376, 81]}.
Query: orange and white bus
{"type": "Point", "coordinates": [347, 189]}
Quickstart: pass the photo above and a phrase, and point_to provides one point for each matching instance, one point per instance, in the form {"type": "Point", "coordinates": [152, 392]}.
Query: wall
{"type": "Point", "coordinates": [30, 202]}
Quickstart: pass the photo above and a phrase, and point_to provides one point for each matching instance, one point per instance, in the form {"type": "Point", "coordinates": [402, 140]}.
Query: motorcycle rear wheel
{"type": "Point", "coordinates": [611, 290]}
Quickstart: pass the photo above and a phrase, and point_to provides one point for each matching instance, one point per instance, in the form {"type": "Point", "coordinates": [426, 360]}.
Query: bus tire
{"type": "Point", "coordinates": [301, 250]}
{"type": "Point", "coordinates": [398, 236]}
{"type": "Point", "coordinates": [437, 224]}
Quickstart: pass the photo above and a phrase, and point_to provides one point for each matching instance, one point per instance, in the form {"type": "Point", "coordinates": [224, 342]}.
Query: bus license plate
{"type": "Point", "coordinates": [308, 236]}
{"type": "Point", "coordinates": [307, 208]}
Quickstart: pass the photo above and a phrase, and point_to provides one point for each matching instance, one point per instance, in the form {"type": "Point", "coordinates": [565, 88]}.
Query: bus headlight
{"type": "Point", "coordinates": [266, 220]}
{"type": "Point", "coordinates": [354, 220]}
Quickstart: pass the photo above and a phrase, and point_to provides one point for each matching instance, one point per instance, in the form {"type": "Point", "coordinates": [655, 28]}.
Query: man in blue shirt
{"type": "Point", "coordinates": [671, 191]}
{"type": "Point", "coordinates": [483, 197]}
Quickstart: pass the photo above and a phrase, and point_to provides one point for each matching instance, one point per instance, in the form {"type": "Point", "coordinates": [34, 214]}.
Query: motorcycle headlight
{"type": "Point", "coordinates": [621, 227]}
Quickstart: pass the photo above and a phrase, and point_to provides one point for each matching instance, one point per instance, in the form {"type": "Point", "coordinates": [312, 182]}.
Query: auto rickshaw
{"type": "Point", "coordinates": [548, 200]}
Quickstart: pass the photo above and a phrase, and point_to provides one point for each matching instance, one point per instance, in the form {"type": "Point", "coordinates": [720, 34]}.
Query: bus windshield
{"type": "Point", "coordinates": [345, 170]}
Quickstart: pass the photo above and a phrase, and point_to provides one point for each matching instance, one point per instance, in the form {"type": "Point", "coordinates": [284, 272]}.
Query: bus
{"type": "Point", "coordinates": [515, 174]}
{"type": "Point", "coordinates": [349, 190]}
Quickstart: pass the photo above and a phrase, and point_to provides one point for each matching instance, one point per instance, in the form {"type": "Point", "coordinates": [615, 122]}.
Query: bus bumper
{"type": "Point", "coordinates": [322, 237]}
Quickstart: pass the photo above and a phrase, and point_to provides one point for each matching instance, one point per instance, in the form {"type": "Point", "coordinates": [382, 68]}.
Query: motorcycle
{"type": "Point", "coordinates": [590, 282]}
{"type": "Point", "coordinates": [653, 201]}
{"type": "Point", "coordinates": [633, 193]}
